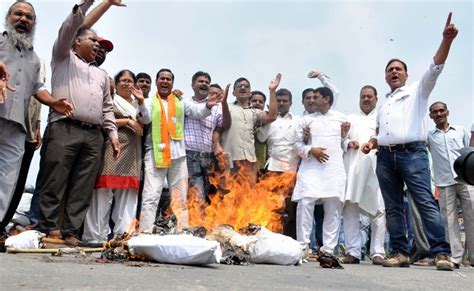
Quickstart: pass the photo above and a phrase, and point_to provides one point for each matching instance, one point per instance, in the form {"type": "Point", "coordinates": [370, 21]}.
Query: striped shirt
{"type": "Point", "coordinates": [198, 132]}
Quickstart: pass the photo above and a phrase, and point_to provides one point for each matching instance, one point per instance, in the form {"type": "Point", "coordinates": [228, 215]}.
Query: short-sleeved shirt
{"type": "Point", "coordinates": [239, 140]}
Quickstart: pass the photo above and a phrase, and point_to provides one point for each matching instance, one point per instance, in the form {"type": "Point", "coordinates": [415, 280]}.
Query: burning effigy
{"type": "Point", "coordinates": [251, 245]}
{"type": "Point", "coordinates": [240, 225]}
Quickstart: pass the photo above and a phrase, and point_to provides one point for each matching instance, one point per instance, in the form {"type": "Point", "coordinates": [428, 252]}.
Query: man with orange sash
{"type": "Point", "coordinates": [165, 155]}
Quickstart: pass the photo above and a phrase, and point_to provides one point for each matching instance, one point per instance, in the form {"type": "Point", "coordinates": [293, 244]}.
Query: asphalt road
{"type": "Point", "coordinates": [26, 271]}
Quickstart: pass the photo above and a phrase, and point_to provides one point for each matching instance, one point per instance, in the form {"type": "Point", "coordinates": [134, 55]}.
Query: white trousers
{"type": "Point", "coordinates": [352, 237]}
{"type": "Point", "coordinates": [177, 176]}
{"type": "Point", "coordinates": [332, 221]}
{"type": "Point", "coordinates": [12, 148]}
{"type": "Point", "coordinates": [96, 224]}
{"type": "Point", "coordinates": [449, 199]}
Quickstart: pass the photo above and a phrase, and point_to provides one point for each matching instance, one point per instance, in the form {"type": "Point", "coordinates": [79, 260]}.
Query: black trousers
{"type": "Point", "coordinates": [71, 164]}
{"type": "Point", "coordinates": [20, 184]}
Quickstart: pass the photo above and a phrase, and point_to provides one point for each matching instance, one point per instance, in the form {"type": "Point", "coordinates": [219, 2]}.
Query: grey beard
{"type": "Point", "coordinates": [21, 40]}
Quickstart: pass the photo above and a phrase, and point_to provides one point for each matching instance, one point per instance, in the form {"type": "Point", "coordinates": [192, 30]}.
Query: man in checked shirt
{"type": "Point", "coordinates": [199, 135]}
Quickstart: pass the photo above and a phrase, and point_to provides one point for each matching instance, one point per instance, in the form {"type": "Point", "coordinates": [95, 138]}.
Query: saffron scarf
{"type": "Point", "coordinates": [165, 127]}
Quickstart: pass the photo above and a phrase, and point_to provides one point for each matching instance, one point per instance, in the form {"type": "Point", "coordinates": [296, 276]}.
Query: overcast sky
{"type": "Point", "coordinates": [350, 41]}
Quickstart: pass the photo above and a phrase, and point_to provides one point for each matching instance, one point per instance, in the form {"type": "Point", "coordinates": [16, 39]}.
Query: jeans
{"type": "Point", "coordinates": [410, 166]}
{"type": "Point", "coordinates": [199, 165]}
{"type": "Point", "coordinates": [408, 221]}
{"type": "Point", "coordinates": [365, 233]}
{"type": "Point", "coordinates": [317, 231]}
{"type": "Point", "coordinates": [35, 205]}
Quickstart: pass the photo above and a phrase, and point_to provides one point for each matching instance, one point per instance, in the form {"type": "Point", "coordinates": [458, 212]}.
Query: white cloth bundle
{"type": "Point", "coordinates": [26, 240]}
{"type": "Point", "coordinates": [176, 249]}
{"type": "Point", "coordinates": [274, 248]}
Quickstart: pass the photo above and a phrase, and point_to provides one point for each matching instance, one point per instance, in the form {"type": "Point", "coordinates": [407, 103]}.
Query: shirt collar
{"type": "Point", "coordinates": [401, 89]}
{"type": "Point", "coordinates": [288, 115]}
{"type": "Point", "coordinates": [82, 59]}
{"type": "Point", "coordinates": [237, 103]}
{"type": "Point", "coordinates": [449, 128]}
{"type": "Point", "coordinates": [200, 101]}
{"type": "Point", "coordinates": [370, 113]}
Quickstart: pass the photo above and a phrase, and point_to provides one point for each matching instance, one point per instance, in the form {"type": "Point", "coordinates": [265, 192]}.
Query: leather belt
{"type": "Point", "coordinates": [402, 146]}
{"type": "Point", "coordinates": [82, 124]}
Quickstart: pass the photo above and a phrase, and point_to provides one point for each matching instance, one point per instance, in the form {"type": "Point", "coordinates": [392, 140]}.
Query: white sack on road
{"type": "Point", "coordinates": [274, 248]}
{"type": "Point", "coordinates": [26, 240]}
{"type": "Point", "coordinates": [176, 249]}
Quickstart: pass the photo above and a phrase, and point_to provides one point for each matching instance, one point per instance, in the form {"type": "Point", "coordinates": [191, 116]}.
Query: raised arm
{"type": "Point", "coordinates": [67, 32]}
{"type": "Point", "coordinates": [226, 119]}
{"type": "Point", "coordinates": [144, 111]}
{"type": "Point", "coordinates": [429, 78]}
{"type": "Point", "coordinates": [449, 34]}
{"type": "Point", "coordinates": [98, 11]}
{"type": "Point", "coordinates": [272, 113]}
{"type": "Point", "coordinates": [326, 81]}
{"type": "Point", "coordinates": [200, 111]}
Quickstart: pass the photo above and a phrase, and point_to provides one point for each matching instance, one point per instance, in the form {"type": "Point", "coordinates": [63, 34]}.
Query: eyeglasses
{"type": "Point", "coordinates": [125, 81]}
{"type": "Point", "coordinates": [245, 86]}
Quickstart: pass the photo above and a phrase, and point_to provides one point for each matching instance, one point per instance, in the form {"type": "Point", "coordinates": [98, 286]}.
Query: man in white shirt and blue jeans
{"type": "Point", "coordinates": [444, 141]}
{"type": "Point", "coordinates": [403, 157]}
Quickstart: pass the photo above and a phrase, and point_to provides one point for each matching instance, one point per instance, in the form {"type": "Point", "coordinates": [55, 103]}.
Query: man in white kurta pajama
{"type": "Point", "coordinates": [321, 176]}
{"type": "Point", "coordinates": [362, 191]}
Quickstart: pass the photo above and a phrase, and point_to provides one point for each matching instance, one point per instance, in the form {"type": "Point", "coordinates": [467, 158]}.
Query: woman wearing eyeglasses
{"type": "Point", "coordinates": [119, 178]}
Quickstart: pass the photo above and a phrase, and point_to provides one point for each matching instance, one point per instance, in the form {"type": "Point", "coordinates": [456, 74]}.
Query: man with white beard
{"type": "Point", "coordinates": [19, 80]}
{"type": "Point", "coordinates": [362, 188]}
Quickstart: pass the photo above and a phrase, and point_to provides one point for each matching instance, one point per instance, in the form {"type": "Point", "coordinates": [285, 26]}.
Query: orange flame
{"type": "Point", "coordinates": [132, 228]}
{"type": "Point", "coordinates": [245, 202]}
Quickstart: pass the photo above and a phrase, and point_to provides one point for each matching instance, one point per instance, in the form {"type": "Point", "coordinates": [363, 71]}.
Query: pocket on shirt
{"type": "Point", "coordinates": [455, 143]}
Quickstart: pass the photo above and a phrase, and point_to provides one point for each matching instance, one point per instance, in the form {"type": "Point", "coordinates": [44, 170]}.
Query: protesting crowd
{"type": "Point", "coordinates": [116, 149]}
